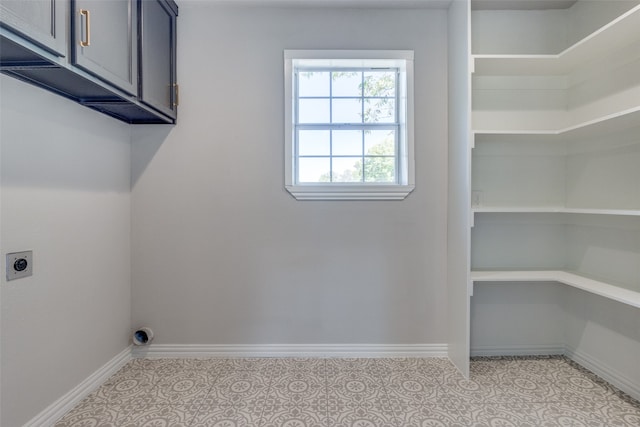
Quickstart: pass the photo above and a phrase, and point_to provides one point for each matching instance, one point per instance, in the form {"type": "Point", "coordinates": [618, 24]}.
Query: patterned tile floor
{"type": "Point", "coordinates": [508, 391]}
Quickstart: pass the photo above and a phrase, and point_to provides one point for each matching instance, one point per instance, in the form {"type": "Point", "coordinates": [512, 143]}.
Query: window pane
{"type": "Point", "coordinates": [380, 142]}
{"type": "Point", "coordinates": [347, 169]}
{"type": "Point", "coordinates": [346, 83]}
{"type": "Point", "coordinates": [380, 83]}
{"type": "Point", "coordinates": [314, 143]}
{"type": "Point", "coordinates": [346, 143]}
{"type": "Point", "coordinates": [380, 110]}
{"type": "Point", "coordinates": [379, 169]}
{"type": "Point", "coordinates": [313, 83]}
{"type": "Point", "coordinates": [313, 169]}
{"type": "Point", "coordinates": [313, 111]}
{"type": "Point", "coordinates": [347, 111]}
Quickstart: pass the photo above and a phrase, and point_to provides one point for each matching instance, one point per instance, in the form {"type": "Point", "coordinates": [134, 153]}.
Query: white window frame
{"type": "Point", "coordinates": [402, 59]}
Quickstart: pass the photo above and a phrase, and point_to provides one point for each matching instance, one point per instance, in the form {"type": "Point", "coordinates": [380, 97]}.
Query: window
{"type": "Point", "coordinates": [348, 124]}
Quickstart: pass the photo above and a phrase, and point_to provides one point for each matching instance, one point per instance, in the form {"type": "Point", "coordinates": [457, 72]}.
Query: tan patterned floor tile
{"type": "Point", "coordinates": [412, 387]}
{"type": "Point", "coordinates": [434, 415]}
{"type": "Point", "coordinates": [353, 390]}
{"type": "Point", "coordinates": [580, 383]}
{"type": "Point", "coordinates": [541, 414]}
{"type": "Point", "coordinates": [377, 417]}
{"type": "Point", "coordinates": [284, 415]}
{"type": "Point", "coordinates": [335, 366]}
{"type": "Point", "coordinates": [160, 416]}
{"type": "Point", "coordinates": [260, 364]}
{"type": "Point", "coordinates": [298, 390]}
{"type": "Point", "coordinates": [125, 386]}
{"type": "Point", "coordinates": [227, 416]}
{"type": "Point", "coordinates": [184, 387]}
{"type": "Point", "coordinates": [315, 366]}
{"type": "Point", "coordinates": [502, 392]}
{"type": "Point", "coordinates": [624, 416]}
{"type": "Point", "coordinates": [239, 389]}
{"type": "Point", "coordinates": [88, 414]}
{"type": "Point", "coordinates": [204, 364]}
{"type": "Point", "coordinates": [476, 389]}
{"type": "Point", "coordinates": [154, 363]}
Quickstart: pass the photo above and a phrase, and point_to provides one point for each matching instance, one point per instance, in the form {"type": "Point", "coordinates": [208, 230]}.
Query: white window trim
{"type": "Point", "coordinates": [341, 191]}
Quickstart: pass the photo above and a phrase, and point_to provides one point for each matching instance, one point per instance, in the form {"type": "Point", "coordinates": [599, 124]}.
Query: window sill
{"type": "Point", "coordinates": [349, 192]}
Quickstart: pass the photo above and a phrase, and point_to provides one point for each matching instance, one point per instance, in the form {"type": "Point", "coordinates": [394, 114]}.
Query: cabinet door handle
{"type": "Point", "coordinates": [87, 28]}
{"type": "Point", "coordinates": [176, 99]}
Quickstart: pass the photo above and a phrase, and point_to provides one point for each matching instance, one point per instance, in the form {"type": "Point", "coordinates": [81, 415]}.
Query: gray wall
{"type": "Point", "coordinates": [222, 254]}
{"type": "Point", "coordinates": [65, 195]}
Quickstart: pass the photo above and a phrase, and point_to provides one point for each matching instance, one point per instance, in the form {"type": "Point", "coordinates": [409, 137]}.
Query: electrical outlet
{"type": "Point", "coordinates": [19, 265]}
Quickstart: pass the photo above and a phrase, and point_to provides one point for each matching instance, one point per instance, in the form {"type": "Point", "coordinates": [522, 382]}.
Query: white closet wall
{"type": "Point", "coordinates": [459, 184]}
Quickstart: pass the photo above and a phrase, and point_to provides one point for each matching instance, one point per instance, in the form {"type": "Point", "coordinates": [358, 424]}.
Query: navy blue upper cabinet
{"type": "Point", "coordinates": [105, 41]}
{"type": "Point", "coordinates": [43, 22]}
{"type": "Point", "coordinates": [115, 56]}
{"type": "Point", "coordinates": [157, 28]}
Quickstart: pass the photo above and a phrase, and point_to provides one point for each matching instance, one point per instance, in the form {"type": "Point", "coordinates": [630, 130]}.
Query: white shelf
{"type": "Point", "coordinates": [596, 287]}
{"type": "Point", "coordinates": [621, 31]}
{"type": "Point", "coordinates": [620, 121]}
{"type": "Point", "coordinates": [552, 209]}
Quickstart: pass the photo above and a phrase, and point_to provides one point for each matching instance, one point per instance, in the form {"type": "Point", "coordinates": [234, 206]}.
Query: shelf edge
{"type": "Point", "coordinates": [596, 287]}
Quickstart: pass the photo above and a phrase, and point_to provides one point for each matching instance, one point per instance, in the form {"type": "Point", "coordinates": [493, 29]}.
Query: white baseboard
{"type": "Point", "coordinates": [57, 409]}
{"type": "Point", "coordinates": [607, 373]}
{"type": "Point", "coordinates": [291, 350]}
{"type": "Point", "coordinates": [518, 350]}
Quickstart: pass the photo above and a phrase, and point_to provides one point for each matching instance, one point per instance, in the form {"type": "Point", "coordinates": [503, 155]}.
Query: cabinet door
{"type": "Point", "coordinates": [158, 55]}
{"type": "Point", "coordinates": [105, 41]}
{"type": "Point", "coordinates": [41, 21]}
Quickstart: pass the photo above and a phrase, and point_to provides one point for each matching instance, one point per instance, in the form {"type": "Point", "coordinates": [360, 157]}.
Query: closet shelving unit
{"type": "Point", "coordinates": [622, 30]}
{"type": "Point", "coordinates": [556, 142]}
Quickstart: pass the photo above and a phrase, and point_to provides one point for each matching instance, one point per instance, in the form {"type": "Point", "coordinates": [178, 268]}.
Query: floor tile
{"type": "Point", "coordinates": [315, 366]}
{"type": "Point", "coordinates": [360, 417]}
{"type": "Point", "coordinates": [353, 390]}
{"type": "Point", "coordinates": [476, 389]}
{"type": "Point", "coordinates": [125, 386]}
{"type": "Point", "coordinates": [283, 415]}
{"type": "Point", "coordinates": [262, 364]}
{"type": "Point", "coordinates": [154, 364]}
{"type": "Point", "coordinates": [93, 414]}
{"type": "Point", "coordinates": [160, 416]}
{"type": "Point", "coordinates": [572, 384]}
{"type": "Point", "coordinates": [300, 390]}
{"type": "Point", "coordinates": [242, 390]}
{"type": "Point", "coordinates": [435, 415]}
{"type": "Point", "coordinates": [227, 416]}
{"type": "Point", "coordinates": [539, 414]}
{"type": "Point", "coordinates": [411, 386]}
{"type": "Point", "coordinates": [336, 366]}
{"type": "Point", "coordinates": [389, 392]}
{"type": "Point", "coordinates": [183, 387]}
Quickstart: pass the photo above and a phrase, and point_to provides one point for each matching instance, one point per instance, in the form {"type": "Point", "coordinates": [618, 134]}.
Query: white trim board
{"type": "Point", "coordinates": [291, 350]}
{"type": "Point", "coordinates": [57, 409]}
{"type": "Point", "coordinates": [519, 350]}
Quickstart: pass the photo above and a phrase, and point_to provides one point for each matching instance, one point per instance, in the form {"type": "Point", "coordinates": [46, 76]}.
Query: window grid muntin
{"type": "Point", "coordinates": [362, 126]}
